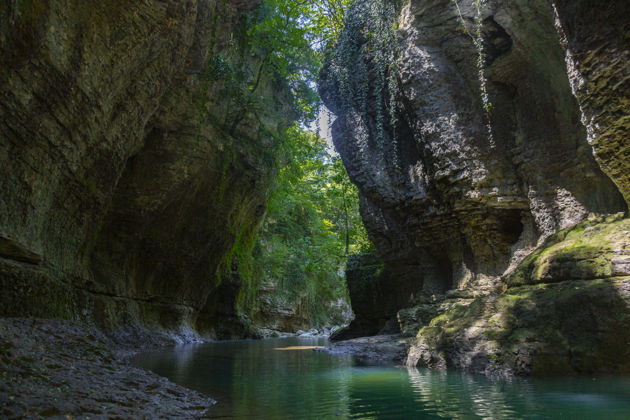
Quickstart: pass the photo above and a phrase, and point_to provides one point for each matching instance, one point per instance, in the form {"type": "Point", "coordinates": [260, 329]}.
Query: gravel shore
{"type": "Point", "coordinates": [67, 370]}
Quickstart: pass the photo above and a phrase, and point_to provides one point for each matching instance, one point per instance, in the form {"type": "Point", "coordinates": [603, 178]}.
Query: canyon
{"type": "Point", "coordinates": [488, 141]}
{"type": "Point", "coordinates": [128, 181]}
{"type": "Point", "coordinates": [501, 225]}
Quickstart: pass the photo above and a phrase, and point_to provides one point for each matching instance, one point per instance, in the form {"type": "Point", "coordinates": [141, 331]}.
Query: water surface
{"type": "Point", "coordinates": [252, 379]}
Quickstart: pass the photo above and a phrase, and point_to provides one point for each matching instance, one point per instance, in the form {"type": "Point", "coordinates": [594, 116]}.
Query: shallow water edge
{"type": "Point", "coordinates": [253, 379]}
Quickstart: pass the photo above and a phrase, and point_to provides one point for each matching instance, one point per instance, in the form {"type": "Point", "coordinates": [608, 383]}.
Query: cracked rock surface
{"type": "Point", "coordinates": [464, 203]}
{"type": "Point", "coordinates": [63, 369]}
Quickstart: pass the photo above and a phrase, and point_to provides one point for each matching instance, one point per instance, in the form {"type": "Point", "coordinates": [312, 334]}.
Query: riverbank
{"type": "Point", "coordinates": [374, 350]}
{"type": "Point", "coordinates": [52, 368]}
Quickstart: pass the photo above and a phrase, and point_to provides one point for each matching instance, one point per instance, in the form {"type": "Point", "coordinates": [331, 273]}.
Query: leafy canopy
{"type": "Point", "coordinates": [293, 37]}
{"type": "Point", "coordinates": [312, 222]}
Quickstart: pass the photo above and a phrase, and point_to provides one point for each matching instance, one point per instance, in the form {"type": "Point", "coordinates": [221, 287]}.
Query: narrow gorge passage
{"type": "Point", "coordinates": [307, 209]}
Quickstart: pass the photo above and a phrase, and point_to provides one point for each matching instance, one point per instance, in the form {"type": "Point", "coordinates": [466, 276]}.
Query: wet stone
{"type": "Point", "coordinates": [62, 369]}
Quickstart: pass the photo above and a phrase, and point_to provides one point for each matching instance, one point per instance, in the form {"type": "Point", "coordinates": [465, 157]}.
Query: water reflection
{"type": "Point", "coordinates": [455, 395]}
{"type": "Point", "coordinates": [252, 380]}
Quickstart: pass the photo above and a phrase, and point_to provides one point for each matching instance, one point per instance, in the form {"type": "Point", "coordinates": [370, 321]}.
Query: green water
{"type": "Point", "coordinates": [252, 380]}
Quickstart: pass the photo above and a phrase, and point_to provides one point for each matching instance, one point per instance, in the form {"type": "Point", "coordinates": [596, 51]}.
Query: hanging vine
{"type": "Point", "coordinates": [364, 64]}
{"type": "Point", "coordinates": [478, 42]}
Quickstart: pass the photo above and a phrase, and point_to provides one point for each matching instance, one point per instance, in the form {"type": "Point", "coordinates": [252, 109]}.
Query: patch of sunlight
{"type": "Point", "coordinates": [299, 348]}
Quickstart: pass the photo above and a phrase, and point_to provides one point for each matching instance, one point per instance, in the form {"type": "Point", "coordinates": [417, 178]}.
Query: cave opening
{"type": "Point", "coordinates": [511, 225]}
{"type": "Point", "coordinates": [437, 274]}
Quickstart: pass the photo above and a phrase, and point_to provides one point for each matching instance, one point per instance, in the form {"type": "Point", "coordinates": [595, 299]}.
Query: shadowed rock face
{"type": "Point", "coordinates": [121, 192]}
{"type": "Point", "coordinates": [458, 205]}
{"type": "Point", "coordinates": [595, 38]}
{"type": "Point", "coordinates": [447, 196]}
{"type": "Point", "coordinates": [373, 299]}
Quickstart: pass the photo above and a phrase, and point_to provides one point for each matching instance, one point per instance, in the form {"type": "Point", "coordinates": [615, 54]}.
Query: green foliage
{"type": "Point", "coordinates": [294, 37]}
{"type": "Point", "coordinates": [312, 225]}
{"type": "Point", "coordinates": [288, 39]}
{"type": "Point", "coordinates": [481, 54]}
{"type": "Point", "coordinates": [476, 34]}
{"type": "Point", "coordinates": [312, 221]}
{"type": "Point", "coordinates": [326, 20]}
{"type": "Point", "coordinates": [272, 48]}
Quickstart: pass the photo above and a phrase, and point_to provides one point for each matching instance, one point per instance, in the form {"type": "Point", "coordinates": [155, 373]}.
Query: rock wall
{"type": "Point", "coordinates": [566, 309]}
{"type": "Point", "coordinates": [377, 291]}
{"type": "Point", "coordinates": [126, 180]}
{"type": "Point", "coordinates": [277, 312]}
{"type": "Point", "coordinates": [456, 194]}
{"type": "Point", "coordinates": [595, 37]}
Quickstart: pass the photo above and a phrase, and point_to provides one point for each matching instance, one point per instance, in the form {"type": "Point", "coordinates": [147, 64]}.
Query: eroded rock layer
{"type": "Point", "coordinates": [457, 192]}
{"type": "Point", "coordinates": [127, 177]}
{"type": "Point", "coordinates": [595, 37]}
{"type": "Point", "coordinates": [566, 309]}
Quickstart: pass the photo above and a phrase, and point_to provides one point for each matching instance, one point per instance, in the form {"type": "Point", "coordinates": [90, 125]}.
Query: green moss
{"type": "Point", "coordinates": [573, 326]}
{"type": "Point", "coordinates": [584, 251]}
{"type": "Point", "coordinates": [455, 320]}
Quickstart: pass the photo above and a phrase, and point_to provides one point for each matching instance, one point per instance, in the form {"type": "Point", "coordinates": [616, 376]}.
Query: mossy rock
{"type": "Point", "coordinates": [580, 326]}
{"type": "Point", "coordinates": [593, 249]}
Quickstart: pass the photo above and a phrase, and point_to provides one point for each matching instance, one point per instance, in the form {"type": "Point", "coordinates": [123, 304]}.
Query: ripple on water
{"type": "Point", "coordinates": [253, 379]}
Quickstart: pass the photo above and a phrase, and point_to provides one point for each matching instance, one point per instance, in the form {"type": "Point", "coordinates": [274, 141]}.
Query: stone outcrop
{"type": "Point", "coordinates": [66, 369]}
{"type": "Point", "coordinates": [373, 350]}
{"type": "Point", "coordinates": [367, 289]}
{"type": "Point", "coordinates": [595, 38]}
{"type": "Point", "coordinates": [278, 313]}
{"type": "Point", "coordinates": [377, 292]}
{"type": "Point", "coordinates": [565, 309]}
{"type": "Point", "coordinates": [128, 177]}
{"type": "Point", "coordinates": [456, 194]}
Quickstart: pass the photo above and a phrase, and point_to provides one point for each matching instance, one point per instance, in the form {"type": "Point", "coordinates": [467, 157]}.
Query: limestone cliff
{"type": "Point", "coordinates": [595, 37]}
{"type": "Point", "coordinates": [457, 192]}
{"type": "Point", "coordinates": [129, 175]}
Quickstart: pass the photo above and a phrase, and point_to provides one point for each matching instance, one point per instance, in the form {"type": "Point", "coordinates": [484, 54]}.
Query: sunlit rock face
{"type": "Point", "coordinates": [458, 195]}
{"type": "Point", "coordinates": [597, 54]}
{"type": "Point", "coordinates": [120, 190]}
{"type": "Point", "coordinates": [565, 310]}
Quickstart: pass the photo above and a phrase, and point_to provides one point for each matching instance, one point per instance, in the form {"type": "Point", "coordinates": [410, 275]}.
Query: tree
{"type": "Point", "coordinates": [312, 226]}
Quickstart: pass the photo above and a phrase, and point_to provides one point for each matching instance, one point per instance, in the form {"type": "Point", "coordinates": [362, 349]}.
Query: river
{"type": "Point", "coordinates": [263, 379]}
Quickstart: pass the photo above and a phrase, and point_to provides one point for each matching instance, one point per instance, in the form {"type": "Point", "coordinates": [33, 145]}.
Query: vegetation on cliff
{"type": "Point", "coordinates": [312, 225]}
{"type": "Point", "coordinates": [369, 86]}
{"type": "Point", "coordinates": [478, 181]}
{"type": "Point", "coordinates": [312, 220]}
